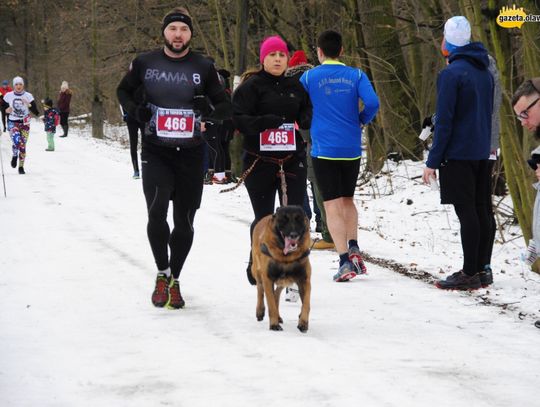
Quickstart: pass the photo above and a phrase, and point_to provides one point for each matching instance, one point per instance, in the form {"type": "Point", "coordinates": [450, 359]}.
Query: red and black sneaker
{"type": "Point", "coordinates": [460, 281]}
{"type": "Point", "coordinates": [175, 300]}
{"type": "Point", "coordinates": [356, 259]}
{"type": "Point", "coordinates": [161, 292]}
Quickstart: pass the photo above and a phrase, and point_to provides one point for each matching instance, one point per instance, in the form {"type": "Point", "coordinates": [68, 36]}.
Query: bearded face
{"type": "Point", "coordinates": [177, 36]}
{"type": "Point", "coordinates": [173, 47]}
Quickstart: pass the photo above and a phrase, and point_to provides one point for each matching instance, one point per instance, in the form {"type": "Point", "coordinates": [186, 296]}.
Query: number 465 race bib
{"type": "Point", "coordinates": [175, 123]}
{"type": "Point", "coordinates": [280, 139]}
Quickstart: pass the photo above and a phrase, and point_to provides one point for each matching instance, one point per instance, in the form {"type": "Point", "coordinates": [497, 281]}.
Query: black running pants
{"type": "Point", "coordinates": [161, 238]}
{"type": "Point", "coordinates": [133, 129]}
{"type": "Point", "coordinates": [177, 175]}
{"type": "Point", "coordinates": [476, 227]}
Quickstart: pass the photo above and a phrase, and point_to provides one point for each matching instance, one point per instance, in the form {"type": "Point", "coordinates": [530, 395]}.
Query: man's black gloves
{"type": "Point", "coordinates": [143, 114]}
{"type": "Point", "coordinates": [201, 104]}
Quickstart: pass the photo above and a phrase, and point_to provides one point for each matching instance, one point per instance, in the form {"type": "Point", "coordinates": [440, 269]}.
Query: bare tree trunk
{"type": "Point", "coordinates": [240, 47]}
{"type": "Point", "coordinates": [26, 57]}
{"type": "Point", "coordinates": [397, 113]}
{"type": "Point", "coordinates": [45, 34]}
{"type": "Point", "coordinates": [222, 36]}
{"type": "Point", "coordinates": [97, 104]}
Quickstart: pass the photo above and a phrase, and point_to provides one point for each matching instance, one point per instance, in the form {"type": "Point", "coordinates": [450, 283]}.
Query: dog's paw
{"type": "Point", "coordinates": [260, 318]}
{"type": "Point", "coordinates": [280, 320]}
{"type": "Point", "coordinates": [276, 327]}
{"type": "Point", "coordinates": [303, 326]}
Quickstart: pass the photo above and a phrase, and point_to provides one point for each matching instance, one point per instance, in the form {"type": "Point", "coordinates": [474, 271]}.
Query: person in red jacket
{"type": "Point", "coordinates": [5, 88]}
{"type": "Point", "coordinates": [64, 99]}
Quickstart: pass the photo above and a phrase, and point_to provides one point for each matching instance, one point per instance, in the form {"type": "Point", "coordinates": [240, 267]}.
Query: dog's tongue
{"type": "Point", "coordinates": [290, 245]}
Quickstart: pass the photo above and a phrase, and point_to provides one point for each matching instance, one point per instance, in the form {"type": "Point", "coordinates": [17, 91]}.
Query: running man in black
{"type": "Point", "coordinates": [178, 85]}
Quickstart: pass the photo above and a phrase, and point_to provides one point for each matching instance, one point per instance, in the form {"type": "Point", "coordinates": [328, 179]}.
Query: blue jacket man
{"type": "Point", "coordinates": [464, 107]}
{"type": "Point", "coordinates": [461, 149]}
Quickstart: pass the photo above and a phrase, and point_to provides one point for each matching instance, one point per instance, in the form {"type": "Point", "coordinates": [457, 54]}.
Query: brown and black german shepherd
{"type": "Point", "coordinates": [280, 251]}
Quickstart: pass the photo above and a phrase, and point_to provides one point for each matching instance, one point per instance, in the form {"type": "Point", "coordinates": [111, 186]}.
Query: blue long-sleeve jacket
{"type": "Point", "coordinates": [464, 108]}
{"type": "Point", "coordinates": [336, 127]}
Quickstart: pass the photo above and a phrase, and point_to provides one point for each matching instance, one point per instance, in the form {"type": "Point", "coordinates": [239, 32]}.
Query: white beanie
{"type": "Point", "coordinates": [64, 85]}
{"type": "Point", "coordinates": [457, 31]}
{"type": "Point", "coordinates": [17, 80]}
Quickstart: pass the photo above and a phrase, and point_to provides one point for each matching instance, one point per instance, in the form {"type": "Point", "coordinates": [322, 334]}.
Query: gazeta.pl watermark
{"type": "Point", "coordinates": [515, 17]}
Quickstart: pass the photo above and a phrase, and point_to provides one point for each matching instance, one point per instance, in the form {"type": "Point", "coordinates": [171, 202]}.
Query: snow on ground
{"type": "Point", "coordinates": [77, 327]}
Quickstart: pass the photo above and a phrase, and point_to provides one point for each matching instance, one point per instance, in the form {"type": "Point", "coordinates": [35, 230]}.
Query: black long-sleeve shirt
{"type": "Point", "coordinates": [172, 83]}
{"type": "Point", "coordinates": [266, 101]}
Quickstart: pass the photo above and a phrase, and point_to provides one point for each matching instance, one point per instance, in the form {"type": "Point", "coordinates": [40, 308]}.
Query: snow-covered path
{"type": "Point", "coordinates": [77, 327]}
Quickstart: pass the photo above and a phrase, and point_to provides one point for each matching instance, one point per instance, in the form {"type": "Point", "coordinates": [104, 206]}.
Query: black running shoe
{"type": "Point", "coordinates": [486, 277]}
{"type": "Point", "coordinates": [460, 281]}
{"type": "Point", "coordinates": [231, 178]}
{"type": "Point", "coordinates": [160, 296]}
{"type": "Point", "coordinates": [14, 161]}
{"type": "Point", "coordinates": [21, 170]}
{"type": "Point", "coordinates": [175, 300]}
{"type": "Point", "coordinates": [537, 324]}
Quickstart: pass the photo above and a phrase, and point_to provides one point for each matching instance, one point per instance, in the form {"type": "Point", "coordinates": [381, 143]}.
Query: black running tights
{"type": "Point", "coordinates": [159, 235]}
{"type": "Point", "coordinates": [477, 231]}
{"type": "Point", "coordinates": [133, 129]}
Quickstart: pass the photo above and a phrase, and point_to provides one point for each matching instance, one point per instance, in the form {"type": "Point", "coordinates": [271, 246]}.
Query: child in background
{"type": "Point", "coordinates": [51, 118]}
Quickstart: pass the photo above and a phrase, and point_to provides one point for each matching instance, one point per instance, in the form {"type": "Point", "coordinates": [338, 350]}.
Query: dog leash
{"type": "Point", "coordinates": [242, 177]}
{"type": "Point", "coordinates": [281, 173]}
{"type": "Point", "coordinates": [283, 184]}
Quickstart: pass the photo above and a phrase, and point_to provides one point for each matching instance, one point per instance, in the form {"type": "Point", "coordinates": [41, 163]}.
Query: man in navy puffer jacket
{"type": "Point", "coordinates": [461, 148]}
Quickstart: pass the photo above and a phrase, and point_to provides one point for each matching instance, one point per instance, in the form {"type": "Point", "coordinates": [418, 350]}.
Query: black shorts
{"type": "Point", "coordinates": [179, 170]}
{"type": "Point", "coordinates": [465, 182]}
{"type": "Point", "coordinates": [336, 178]}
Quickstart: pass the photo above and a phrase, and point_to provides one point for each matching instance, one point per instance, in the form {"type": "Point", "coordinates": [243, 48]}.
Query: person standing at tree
{"type": "Point", "coordinates": [336, 135]}
{"type": "Point", "coordinates": [266, 106]}
{"type": "Point", "coordinates": [526, 104]}
{"type": "Point", "coordinates": [19, 103]}
{"type": "Point", "coordinates": [5, 88]}
{"type": "Point", "coordinates": [461, 149]}
{"type": "Point", "coordinates": [178, 85]}
{"type": "Point", "coordinates": [64, 100]}
{"type": "Point", "coordinates": [486, 273]}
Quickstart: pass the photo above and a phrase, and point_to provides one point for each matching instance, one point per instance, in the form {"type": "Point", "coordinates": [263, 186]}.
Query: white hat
{"type": "Point", "coordinates": [17, 80]}
{"type": "Point", "coordinates": [457, 31]}
{"type": "Point", "coordinates": [64, 85]}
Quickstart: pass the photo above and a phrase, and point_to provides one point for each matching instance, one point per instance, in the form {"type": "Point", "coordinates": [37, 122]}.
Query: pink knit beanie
{"type": "Point", "coordinates": [272, 44]}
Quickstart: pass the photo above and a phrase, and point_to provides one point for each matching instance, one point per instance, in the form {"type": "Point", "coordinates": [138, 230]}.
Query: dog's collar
{"type": "Point", "coordinates": [266, 251]}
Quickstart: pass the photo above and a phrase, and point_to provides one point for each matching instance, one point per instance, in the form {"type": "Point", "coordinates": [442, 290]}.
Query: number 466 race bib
{"type": "Point", "coordinates": [280, 139]}
{"type": "Point", "coordinates": [175, 123]}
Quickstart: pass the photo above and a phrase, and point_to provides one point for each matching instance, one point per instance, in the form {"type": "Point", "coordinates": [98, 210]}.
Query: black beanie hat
{"type": "Point", "coordinates": [176, 16]}
{"type": "Point", "coordinates": [47, 102]}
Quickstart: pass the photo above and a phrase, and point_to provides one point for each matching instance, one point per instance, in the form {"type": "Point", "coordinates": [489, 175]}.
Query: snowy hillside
{"type": "Point", "coordinates": [77, 327]}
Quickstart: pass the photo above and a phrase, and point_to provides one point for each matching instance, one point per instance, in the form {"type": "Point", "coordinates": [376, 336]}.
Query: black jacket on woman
{"type": "Point", "coordinates": [265, 101]}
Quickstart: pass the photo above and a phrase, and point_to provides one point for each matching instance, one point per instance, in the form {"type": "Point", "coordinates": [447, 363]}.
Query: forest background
{"type": "Point", "coordinates": [396, 42]}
